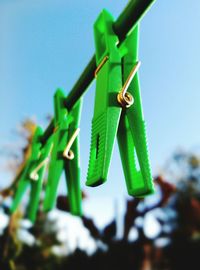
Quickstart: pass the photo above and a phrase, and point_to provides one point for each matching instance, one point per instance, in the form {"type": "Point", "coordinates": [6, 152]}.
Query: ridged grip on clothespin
{"type": "Point", "coordinates": [106, 110]}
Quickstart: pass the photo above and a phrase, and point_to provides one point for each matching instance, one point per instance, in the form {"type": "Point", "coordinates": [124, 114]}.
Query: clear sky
{"type": "Point", "coordinates": [46, 44]}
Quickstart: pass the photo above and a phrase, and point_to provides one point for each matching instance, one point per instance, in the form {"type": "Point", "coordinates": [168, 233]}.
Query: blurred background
{"type": "Point", "coordinates": [46, 45]}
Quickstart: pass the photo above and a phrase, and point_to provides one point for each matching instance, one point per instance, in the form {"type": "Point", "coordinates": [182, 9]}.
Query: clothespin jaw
{"type": "Point", "coordinates": [36, 175]}
{"type": "Point", "coordinates": [65, 125]}
{"type": "Point", "coordinates": [106, 109]}
{"type": "Point", "coordinates": [132, 138]}
{"type": "Point", "coordinates": [24, 181]}
{"type": "Point", "coordinates": [72, 166]}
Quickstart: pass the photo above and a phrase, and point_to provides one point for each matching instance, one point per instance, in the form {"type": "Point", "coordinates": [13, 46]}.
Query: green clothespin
{"type": "Point", "coordinates": [132, 138]}
{"type": "Point", "coordinates": [24, 181]}
{"type": "Point", "coordinates": [36, 175]}
{"type": "Point", "coordinates": [72, 164]}
{"type": "Point", "coordinates": [65, 157]}
{"type": "Point", "coordinates": [106, 110]}
{"type": "Point", "coordinates": [118, 112]}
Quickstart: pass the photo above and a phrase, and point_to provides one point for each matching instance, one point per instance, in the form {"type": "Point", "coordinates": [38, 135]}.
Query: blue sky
{"type": "Point", "coordinates": [46, 44]}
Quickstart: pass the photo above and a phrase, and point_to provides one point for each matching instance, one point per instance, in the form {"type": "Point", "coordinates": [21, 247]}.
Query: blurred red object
{"type": "Point", "coordinates": [167, 189]}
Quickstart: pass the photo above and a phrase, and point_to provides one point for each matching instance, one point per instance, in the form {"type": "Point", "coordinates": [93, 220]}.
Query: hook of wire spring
{"type": "Point", "coordinates": [68, 153]}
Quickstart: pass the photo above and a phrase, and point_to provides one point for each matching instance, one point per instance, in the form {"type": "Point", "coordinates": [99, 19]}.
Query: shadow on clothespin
{"type": "Point", "coordinates": [118, 111]}
{"type": "Point", "coordinates": [65, 155]}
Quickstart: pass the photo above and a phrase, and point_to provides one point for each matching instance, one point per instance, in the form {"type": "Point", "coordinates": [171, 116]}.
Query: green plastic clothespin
{"type": "Point", "coordinates": [115, 74]}
{"type": "Point", "coordinates": [65, 158]}
{"type": "Point", "coordinates": [36, 175]}
{"type": "Point", "coordinates": [106, 110]}
{"type": "Point", "coordinates": [25, 180]}
{"type": "Point", "coordinates": [132, 138]}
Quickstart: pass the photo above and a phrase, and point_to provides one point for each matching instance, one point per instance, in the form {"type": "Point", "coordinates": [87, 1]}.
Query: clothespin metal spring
{"type": "Point", "coordinates": [67, 152]}
{"type": "Point", "coordinates": [34, 174]}
{"type": "Point", "coordinates": [124, 98]}
{"type": "Point", "coordinates": [104, 60]}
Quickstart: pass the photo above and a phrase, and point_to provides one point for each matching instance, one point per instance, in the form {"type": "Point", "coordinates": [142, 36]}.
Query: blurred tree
{"type": "Point", "coordinates": [26, 131]}
{"type": "Point", "coordinates": [176, 208]}
{"type": "Point", "coordinates": [183, 211]}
